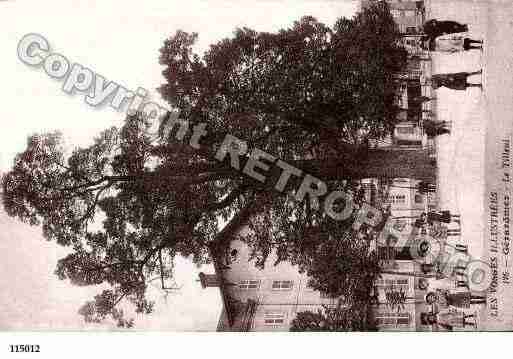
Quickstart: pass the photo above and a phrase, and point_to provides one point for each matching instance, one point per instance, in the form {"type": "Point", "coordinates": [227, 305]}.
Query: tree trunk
{"type": "Point", "coordinates": [409, 274]}
{"type": "Point", "coordinates": [377, 163]}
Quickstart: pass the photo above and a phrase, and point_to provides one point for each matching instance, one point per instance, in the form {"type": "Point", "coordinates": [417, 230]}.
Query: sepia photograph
{"type": "Point", "coordinates": [255, 166]}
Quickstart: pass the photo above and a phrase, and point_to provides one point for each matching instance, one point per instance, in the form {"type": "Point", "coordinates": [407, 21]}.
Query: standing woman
{"type": "Point", "coordinates": [454, 43]}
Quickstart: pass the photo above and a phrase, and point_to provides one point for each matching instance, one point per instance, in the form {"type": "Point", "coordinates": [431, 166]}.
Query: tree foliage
{"type": "Point", "coordinates": [332, 319]}
{"type": "Point", "coordinates": [130, 202]}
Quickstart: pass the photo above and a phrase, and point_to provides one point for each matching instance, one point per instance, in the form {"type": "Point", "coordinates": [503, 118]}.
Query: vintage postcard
{"type": "Point", "coordinates": [256, 166]}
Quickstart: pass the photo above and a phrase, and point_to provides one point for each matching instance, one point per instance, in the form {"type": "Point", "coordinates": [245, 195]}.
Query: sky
{"type": "Point", "coordinates": [119, 40]}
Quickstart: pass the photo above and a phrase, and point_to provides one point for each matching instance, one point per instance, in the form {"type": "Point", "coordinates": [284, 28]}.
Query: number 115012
{"type": "Point", "coordinates": [24, 348]}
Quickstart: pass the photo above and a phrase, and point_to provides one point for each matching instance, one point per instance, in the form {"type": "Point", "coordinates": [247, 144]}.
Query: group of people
{"type": "Point", "coordinates": [449, 298]}
{"type": "Point", "coordinates": [447, 36]}
{"type": "Point", "coordinates": [433, 217]}
{"type": "Point", "coordinates": [450, 36]}
{"type": "Point", "coordinates": [450, 304]}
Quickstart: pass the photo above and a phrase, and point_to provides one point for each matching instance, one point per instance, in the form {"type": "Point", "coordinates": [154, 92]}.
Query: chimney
{"type": "Point", "coordinates": [208, 280]}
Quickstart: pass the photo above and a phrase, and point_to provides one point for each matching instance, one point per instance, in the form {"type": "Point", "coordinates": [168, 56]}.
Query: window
{"type": "Point", "coordinates": [274, 318]}
{"type": "Point", "coordinates": [233, 255]}
{"type": "Point", "coordinates": [406, 130]}
{"type": "Point", "coordinates": [411, 30]}
{"type": "Point", "coordinates": [282, 284]}
{"type": "Point", "coordinates": [401, 284]}
{"type": "Point", "coordinates": [386, 254]}
{"type": "Point", "coordinates": [249, 284]}
{"type": "Point", "coordinates": [395, 12]}
{"type": "Point", "coordinates": [403, 320]}
{"type": "Point", "coordinates": [418, 198]}
{"type": "Point", "coordinates": [398, 199]}
{"type": "Point", "coordinates": [392, 320]}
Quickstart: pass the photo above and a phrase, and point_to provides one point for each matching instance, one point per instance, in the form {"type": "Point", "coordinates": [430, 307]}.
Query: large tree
{"type": "Point", "coordinates": [311, 95]}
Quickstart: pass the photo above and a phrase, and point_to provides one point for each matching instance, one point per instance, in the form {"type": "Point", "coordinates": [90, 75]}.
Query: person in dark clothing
{"type": "Point", "coordinates": [434, 28]}
{"type": "Point", "coordinates": [432, 269]}
{"type": "Point", "coordinates": [435, 128]}
{"type": "Point", "coordinates": [468, 44]}
{"type": "Point", "coordinates": [360, 195]}
{"type": "Point", "coordinates": [459, 270]}
{"type": "Point", "coordinates": [448, 319]}
{"type": "Point", "coordinates": [454, 81]}
{"type": "Point", "coordinates": [425, 187]}
{"type": "Point", "coordinates": [446, 298]}
{"type": "Point", "coordinates": [421, 221]}
{"type": "Point", "coordinates": [443, 217]}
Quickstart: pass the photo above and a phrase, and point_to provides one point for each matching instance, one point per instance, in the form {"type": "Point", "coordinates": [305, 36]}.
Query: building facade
{"type": "Point", "coordinates": [268, 299]}
{"type": "Point", "coordinates": [408, 14]}
{"type": "Point", "coordinates": [259, 299]}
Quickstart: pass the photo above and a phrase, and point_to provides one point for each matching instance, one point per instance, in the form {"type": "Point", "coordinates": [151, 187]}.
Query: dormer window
{"type": "Point", "coordinates": [233, 255]}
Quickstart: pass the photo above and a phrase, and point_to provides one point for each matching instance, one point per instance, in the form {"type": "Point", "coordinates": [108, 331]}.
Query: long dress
{"type": "Point", "coordinates": [445, 216]}
{"type": "Point", "coordinates": [451, 318]}
{"type": "Point", "coordinates": [434, 28]}
{"type": "Point", "coordinates": [450, 42]}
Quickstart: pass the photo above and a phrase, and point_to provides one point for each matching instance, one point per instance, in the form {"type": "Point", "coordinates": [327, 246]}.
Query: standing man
{"type": "Point", "coordinates": [420, 222]}
{"type": "Point", "coordinates": [443, 217]}
{"type": "Point", "coordinates": [454, 81]}
{"type": "Point", "coordinates": [435, 128]}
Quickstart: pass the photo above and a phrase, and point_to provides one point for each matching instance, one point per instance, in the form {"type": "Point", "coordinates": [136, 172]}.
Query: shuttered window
{"type": "Point", "coordinates": [274, 318]}
{"type": "Point", "coordinates": [282, 285]}
{"type": "Point", "coordinates": [392, 319]}
{"type": "Point", "coordinates": [249, 284]}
